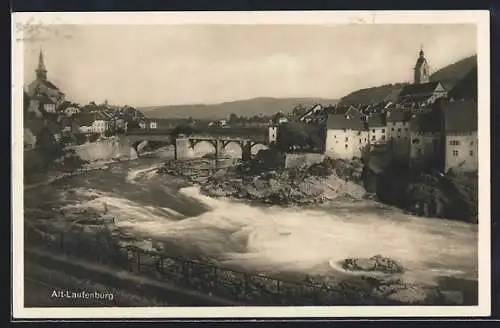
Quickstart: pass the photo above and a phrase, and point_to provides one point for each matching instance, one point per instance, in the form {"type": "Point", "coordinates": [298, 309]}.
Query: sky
{"type": "Point", "coordinates": [186, 64]}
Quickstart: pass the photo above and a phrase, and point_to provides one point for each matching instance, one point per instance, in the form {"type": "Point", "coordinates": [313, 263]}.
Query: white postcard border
{"type": "Point", "coordinates": [480, 18]}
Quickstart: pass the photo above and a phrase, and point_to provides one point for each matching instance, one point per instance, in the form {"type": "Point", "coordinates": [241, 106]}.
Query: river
{"type": "Point", "coordinates": [161, 210]}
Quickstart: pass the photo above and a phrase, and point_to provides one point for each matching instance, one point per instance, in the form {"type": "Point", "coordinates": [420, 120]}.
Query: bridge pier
{"type": "Point", "coordinates": [181, 146]}
{"type": "Point", "coordinates": [246, 151]}
{"type": "Point", "coordinates": [219, 145]}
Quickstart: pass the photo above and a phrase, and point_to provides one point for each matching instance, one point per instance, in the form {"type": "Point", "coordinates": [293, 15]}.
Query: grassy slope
{"type": "Point", "coordinates": [449, 75]}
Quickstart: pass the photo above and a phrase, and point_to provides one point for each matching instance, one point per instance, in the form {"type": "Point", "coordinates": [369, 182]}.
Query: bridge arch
{"type": "Point", "coordinates": [245, 148]}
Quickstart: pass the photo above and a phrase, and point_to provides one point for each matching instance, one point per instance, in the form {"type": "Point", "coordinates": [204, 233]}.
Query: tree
{"type": "Point", "coordinates": [293, 135]}
{"type": "Point", "coordinates": [299, 110]}
{"type": "Point", "coordinates": [233, 118]}
{"type": "Point", "coordinates": [186, 129]}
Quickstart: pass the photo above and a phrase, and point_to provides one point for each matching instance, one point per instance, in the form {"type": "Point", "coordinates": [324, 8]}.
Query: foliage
{"type": "Point", "coordinates": [185, 129]}
{"type": "Point", "coordinates": [299, 110]}
{"type": "Point", "coordinates": [297, 136]}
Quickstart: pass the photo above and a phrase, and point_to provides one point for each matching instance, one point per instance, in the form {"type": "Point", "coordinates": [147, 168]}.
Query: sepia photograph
{"type": "Point", "coordinates": [251, 165]}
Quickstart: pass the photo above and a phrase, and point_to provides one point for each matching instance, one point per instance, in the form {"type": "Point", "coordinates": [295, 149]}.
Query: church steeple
{"type": "Point", "coordinates": [41, 72]}
{"type": "Point", "coordinates": [421, 70]}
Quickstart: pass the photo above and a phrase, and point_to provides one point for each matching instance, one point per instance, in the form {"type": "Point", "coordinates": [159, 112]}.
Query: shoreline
{"type": "Point", "coordinates": [400, 287]}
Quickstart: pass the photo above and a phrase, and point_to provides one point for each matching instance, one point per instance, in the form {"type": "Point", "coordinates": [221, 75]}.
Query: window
{"type": "Point", "coordinates": [471, 153]}
{"type": "Point", "coordinates": [346, 139]}
{"type": "Point", "coordinates": [399, 129]}
{"type": "Point", "coordinates": [454, 142]}
{"type": "Point", "coordinates": [373, 131]}
{"type": "Point", "coordinates": [455, 153]}
{"type": "Point", "coordinates": [392, 129]}
{"type": "Point", "coordinates": [346, 146]}
{"type": "Point", "coordinates": [472, 143]}
{"type": "Point", "coordinates": [419, 151]}
{"type": "Point", "coordinates": [383, 137]}
{"type": "Point", "coordinates": [404, 123]}
{"type": "Point", "coordinates": [360, 140]}
{"type": "Point", "coordinates": [415, 141]}
{"type": "Point", "coordinates": [383, 130]}
{"type": "Point", "coordinates": [373, 137]}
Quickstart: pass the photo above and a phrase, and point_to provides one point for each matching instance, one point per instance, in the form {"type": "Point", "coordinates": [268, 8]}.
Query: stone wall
{"type": "Point", "coordinates": [112, 148]}
{"type": "Point", "coordinates": [303, 159]}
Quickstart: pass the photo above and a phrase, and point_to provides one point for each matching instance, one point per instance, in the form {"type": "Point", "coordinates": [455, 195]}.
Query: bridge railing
{"type": "Point", "coordinates": [252, 133]}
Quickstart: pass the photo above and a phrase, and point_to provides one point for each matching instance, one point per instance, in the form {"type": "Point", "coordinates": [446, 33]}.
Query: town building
{"type": "Point", "coordinates": [460, 135]}
{"type": "Point", "coordinates": [398, 132]}
{"type": "Point", "coordinates": [96, 122]}
{"type": "Point", "coordinates": [377, 128]}
{"type": "Point", "coordinates": [347, 135]}
{"type": "Point", "coordinates": [310, 115]}
{"type": "Point", "coordinates": [43, 93]}
{"type": "Point", "coordinates": [421, 96]}
{"type": "Point", "coordinates": [426, 142]}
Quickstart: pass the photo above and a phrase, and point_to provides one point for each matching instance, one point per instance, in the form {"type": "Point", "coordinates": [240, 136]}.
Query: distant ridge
{"type": "Point", "coordinates": [263, 105]}
{"type": "Point", "coordinates": [449, 76]}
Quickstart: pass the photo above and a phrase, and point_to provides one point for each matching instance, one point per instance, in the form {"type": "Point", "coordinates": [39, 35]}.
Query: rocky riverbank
{"type": "Point", "coordinates": [317, 184]}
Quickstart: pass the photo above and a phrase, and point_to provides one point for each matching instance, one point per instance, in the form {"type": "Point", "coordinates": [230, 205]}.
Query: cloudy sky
{"type": "Point", "coordinates": [160, 65]}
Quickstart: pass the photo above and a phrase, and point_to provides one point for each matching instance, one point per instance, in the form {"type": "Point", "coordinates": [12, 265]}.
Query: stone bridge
{"type": "Point", "coordinates": [246, 138]}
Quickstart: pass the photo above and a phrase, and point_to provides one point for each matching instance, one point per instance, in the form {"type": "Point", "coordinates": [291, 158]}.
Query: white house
{"type": "Point", "coordinates": [347, 135]}
{"type": "Point", "coordinates": [377, 129]}
{"type": "Point", "coordinates": [99, 126]}
{"type": "Point", "coordinates": [272, 133]}
{"type": "Point", "coordinates": [460, 135]}
{"type": "Point", "coordinates": [49, 107]}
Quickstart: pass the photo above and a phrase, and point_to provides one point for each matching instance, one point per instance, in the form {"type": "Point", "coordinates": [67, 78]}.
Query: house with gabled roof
{"type": "Point", "coordinates": [347, 135]}
{"type": "Point", "coordinates": [398, 131]}
{"type": "Point", "coordinates": [421, 95]}
{"type": "Point", "coordinates": [460, 135]}
{"type": "Point", "coordinates": [426, 142]}
{"type": "Point", "coordinates": [377, 128]}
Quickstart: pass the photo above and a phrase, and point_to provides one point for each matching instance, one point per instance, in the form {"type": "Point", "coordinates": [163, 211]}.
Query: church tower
{"type": "Point", "coordinates": [421, 70]}
{"type": "Point", "coordinates": [41, 72]}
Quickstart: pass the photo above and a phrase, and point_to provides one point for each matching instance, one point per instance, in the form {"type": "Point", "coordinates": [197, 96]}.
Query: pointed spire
{"type": "Point", "coordinates": [421, 50]}
{"type": "Point", "coordinates": [41, 65]}
{"type": "Point", "coordinates": [41, 72]}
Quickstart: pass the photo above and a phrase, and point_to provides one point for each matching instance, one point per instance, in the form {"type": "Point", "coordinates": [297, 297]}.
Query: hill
{"type": "Point", "coordinates": [372, 95]}
{"type": "Point", "coordinates": [249, 107]}
{"type": "Point", "coordinates": [467, 87]}
{"type": "Point", "coordinates": [449, 75]}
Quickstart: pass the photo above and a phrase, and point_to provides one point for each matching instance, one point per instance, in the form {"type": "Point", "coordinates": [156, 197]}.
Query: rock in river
{"type": "Point", "coordinates": [375, 263]}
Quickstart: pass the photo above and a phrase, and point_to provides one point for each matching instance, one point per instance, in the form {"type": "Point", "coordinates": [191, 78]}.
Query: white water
{"type": "Point", "coordinates": [307, 241]}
